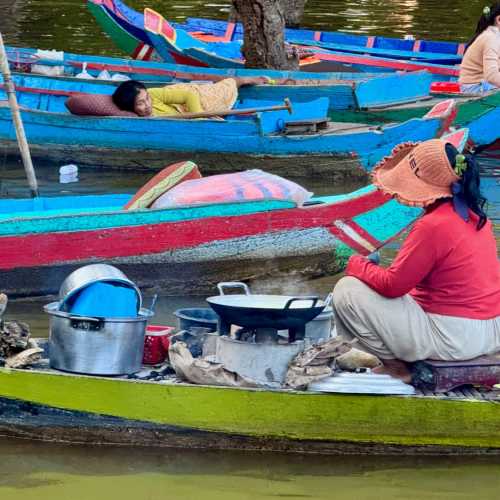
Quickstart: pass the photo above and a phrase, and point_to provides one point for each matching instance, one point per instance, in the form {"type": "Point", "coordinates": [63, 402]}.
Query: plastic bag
{"type": "Point", "coordinates": [251, 185]}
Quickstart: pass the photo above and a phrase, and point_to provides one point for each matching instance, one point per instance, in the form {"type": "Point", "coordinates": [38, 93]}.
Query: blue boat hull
{"type": "Point", "coordinates": [386, 90]}
{"type": "Point", "coordinates": [217, 145]}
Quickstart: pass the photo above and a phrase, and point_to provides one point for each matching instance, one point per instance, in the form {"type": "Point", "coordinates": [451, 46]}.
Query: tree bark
{"type": "Point", "coordinates": [294, 10]}
{"type": "Point", "coordinates": [264, 38]}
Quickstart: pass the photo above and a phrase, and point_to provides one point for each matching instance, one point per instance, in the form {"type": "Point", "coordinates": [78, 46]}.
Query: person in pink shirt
{"type": "Point", "coordinates": [480, 68]}
{"type": "Point", "coordinates": [440, 298]}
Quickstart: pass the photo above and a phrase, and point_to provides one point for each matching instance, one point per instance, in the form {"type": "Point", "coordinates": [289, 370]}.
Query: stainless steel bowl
{"type": "Point", "coordinates": [93, 273]}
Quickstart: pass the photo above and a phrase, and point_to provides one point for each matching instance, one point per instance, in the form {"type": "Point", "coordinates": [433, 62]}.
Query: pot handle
{"type": "Point", "coordinates": [312, 298]}
{"type": "Point", "coordinates": [86, 323]}
{"type": "Point", "coordinates": [233, 284]}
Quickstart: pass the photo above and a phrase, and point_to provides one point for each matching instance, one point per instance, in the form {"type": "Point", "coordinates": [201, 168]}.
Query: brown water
{"type": "Point", "coordinates": [39, 471]}
{"type": "Point", "coordinates": [33, 472]}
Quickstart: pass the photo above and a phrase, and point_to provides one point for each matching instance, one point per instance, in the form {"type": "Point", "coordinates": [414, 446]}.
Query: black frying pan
{"type": "Point", "coordinates": [282, 312]}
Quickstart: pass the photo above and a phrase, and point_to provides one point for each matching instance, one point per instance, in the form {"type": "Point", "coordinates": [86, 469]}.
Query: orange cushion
{"type": "Point", "coordinates": [163, 181]}
{"type": "Point", "coordinates": [94, 105]}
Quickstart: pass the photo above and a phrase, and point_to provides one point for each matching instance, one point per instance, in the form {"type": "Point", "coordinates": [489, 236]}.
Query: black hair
{"type": "Point", "coordinates": [470, 183]}
{"type": "Point", "coordinates": [125, 94]}
{"type": "Point", "coordinates": [487, 19]}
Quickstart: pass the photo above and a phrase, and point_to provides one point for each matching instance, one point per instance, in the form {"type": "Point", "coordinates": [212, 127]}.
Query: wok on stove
{"type": "Point", "coordinates": [283, 312]}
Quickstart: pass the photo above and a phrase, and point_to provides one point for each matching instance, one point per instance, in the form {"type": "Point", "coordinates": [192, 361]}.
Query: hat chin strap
{"type": "Point", "coordinates": [459, 204]}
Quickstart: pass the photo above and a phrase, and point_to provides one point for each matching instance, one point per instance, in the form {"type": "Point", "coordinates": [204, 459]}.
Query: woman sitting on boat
{"type": "Point", "coordinates": [440, 298]}
{"type": "Point", "coordinates": [180, 98]}
{"type": "Point", "coordinates": [480, 68]}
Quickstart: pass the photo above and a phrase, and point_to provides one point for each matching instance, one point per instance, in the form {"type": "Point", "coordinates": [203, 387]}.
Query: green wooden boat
{"type": "Point", "coordinates": [44, 404]}
{"type": "Point", "coordinates": [480, 114]}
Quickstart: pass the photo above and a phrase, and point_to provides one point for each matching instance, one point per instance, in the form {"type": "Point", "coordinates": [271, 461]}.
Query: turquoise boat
{"type": "Point", "coordinates": [190, 248]}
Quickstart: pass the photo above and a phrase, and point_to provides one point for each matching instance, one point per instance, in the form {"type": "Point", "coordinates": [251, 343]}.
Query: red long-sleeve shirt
{"type": "Point", "coordinates": [445, 264]}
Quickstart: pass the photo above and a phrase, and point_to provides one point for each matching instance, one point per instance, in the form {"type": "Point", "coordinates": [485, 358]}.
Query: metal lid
{"type": "Point", "coordinates": [93, 273]}
{"type": "Point", "coordinates": [362, 383]}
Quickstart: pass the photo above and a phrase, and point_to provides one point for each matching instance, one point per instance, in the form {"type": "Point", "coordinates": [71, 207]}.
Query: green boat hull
{"type": "Point", "coordinates": [77, 408]}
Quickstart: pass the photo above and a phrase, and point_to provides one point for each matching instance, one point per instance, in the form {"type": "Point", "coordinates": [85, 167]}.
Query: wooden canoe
{"type": "Point", "coordinates": [189, 250]}
{"type": "Point", "coordinates": [262, 140]}
{"type": "Point", "coordinates": [386, 46]}
{"type": "Point", "coordinates": [343, 93]}
{"type": "Point", "coordinates": [47, 405]}
{"type": "Point", "coordinates": [168, 40]}
{"type": "Point", "coordinates": [479, 113]}
{"type": "Point", "coordinates": [151, 36]}
{"type": "Point", "coordinates": [24, 57]}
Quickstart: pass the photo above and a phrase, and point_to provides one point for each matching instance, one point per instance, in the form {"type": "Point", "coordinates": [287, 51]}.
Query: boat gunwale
{"type": "Point", "coordinates": [280, 390]}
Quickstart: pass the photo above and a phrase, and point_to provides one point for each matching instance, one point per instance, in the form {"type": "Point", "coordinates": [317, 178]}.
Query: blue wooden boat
{"type": "Point", "coordinates": [168, 41]}
{"type": "Point", "coordinates": [152, 36]}
{"type": "Point", "coordinates": [189, 249]}
{"type": "Point", "coordinates": [268, 140]}
{"type": "Point", "coordinates": [381, 91]}
{"type": "Point", "coordinates": [128, 28]}
{"type": "Point", "coordinates": [384, 46]}
{"type": "Point", "coordinates": [22, 59]}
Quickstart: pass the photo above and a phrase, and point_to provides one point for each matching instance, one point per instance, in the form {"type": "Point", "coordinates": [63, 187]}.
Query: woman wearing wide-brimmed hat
{"type": "Point", "coordinates": [440, 298]}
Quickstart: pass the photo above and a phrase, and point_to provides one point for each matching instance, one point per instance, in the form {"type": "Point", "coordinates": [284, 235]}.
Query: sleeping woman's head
{"type": "Point", "coordinates": [133, 96]}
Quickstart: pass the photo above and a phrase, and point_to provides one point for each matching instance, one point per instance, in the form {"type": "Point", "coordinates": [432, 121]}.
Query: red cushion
{"type": "Point", "coordinates": [163, 181]}
{"type": "Point", "coordinates": [94, 105]}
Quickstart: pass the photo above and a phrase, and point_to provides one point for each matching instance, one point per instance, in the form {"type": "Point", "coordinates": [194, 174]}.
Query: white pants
{"type": "Point", "coordinates": [401, 329]}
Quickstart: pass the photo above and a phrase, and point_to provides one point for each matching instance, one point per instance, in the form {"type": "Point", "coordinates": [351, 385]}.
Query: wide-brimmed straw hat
{"type": "Point", "coordinates": [416, 174]}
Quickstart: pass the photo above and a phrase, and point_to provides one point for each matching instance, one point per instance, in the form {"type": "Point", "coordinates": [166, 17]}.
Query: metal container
{"type": "Point", "coordinates": [262, 362]}
{"type": "Point", "coordinates": [93, 273]}
{"type": "Point", "coordinates": [196, 316]}
{"type": "Point", "coordinates": [320, 328]}
{"type": "Point", "coordinates": [96, 346]}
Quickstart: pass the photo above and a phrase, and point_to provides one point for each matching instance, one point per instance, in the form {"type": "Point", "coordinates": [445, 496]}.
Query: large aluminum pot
{"type": "Point", "coordinates": [96, 346]}
{"type": "Point", "coordinates": [93, 273]}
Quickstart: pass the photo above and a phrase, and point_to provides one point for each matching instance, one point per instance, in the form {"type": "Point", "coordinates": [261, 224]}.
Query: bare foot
{"type": "Point", "coordinates": [395, 368]}
{"type": "Point", "coordinates": [257, 80]}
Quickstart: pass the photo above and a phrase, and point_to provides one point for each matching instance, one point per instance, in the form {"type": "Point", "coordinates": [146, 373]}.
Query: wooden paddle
{"type": "Point", "coordinates": [207, 114]}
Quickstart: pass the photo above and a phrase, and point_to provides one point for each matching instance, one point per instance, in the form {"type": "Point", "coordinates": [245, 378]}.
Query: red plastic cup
{"type": "Point", "coordinates": [156, 343]}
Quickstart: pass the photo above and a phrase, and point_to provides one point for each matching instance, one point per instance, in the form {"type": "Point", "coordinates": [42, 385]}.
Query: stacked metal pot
{"type": "Point", "coordinates": [98, 325]}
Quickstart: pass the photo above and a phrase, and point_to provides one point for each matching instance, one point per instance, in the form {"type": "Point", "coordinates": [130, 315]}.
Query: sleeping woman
{"type": "Point", "coordinates": [180, 98]}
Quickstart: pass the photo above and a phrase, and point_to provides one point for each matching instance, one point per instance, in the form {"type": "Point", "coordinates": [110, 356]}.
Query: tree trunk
{"type": "Point", "coordinates": [264, 40]}
{"type": "Point", "coordinates": [294, 10]}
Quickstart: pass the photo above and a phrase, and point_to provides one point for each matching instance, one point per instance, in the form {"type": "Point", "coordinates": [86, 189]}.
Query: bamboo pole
{"type": "Point", "coordinates": [16, 117]}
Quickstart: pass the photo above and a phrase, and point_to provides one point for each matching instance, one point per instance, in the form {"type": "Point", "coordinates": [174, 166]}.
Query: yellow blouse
{"type": "Point", "coordinates": [173, 101]}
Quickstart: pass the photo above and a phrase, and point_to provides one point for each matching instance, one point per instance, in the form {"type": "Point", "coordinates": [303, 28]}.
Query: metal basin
{"type": "Point", "coordinates": [196, 316]}
{"type": "Point", "coordinates": [93, 273]}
